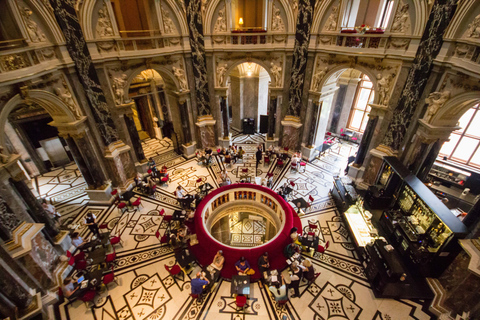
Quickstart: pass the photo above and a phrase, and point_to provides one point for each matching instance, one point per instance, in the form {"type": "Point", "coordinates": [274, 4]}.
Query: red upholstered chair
{"type": "Point", "coordinates": [108, 278]}
{"type": "Point", "coordinates": [310, 199]}
{"type": "Point", "coordinates": [81, 265]}
{"type": "Point", "coordinates": [163, 239]}
{"type": "Point", "coordinates": [228, 161]}
{"type": "Point", "coordinates": [303, 166]}
{"type": "Point", "coordinates": [103, 226]}
{"type": "Point", "coordinates": [88, 297]}
{"type": "Point", "coordinates": [115, 195]}
{"type": "Point", "coordinates": [194, 296]}
{"type": "Point", "coordinates": [137, 203]}
{"type": "Point", "coordinates": [270, 174]}
{"type": "Point", "coordinates": [164, 180]}
{"type": "Point", "coordinates": [168, 218]}
{"type": "Point", "coordinates": [174, 271]}
{"type": "Point", "coordinates": [116, 240]}
{"type": "Point", "coordinates": [279, 163]}
{"type": "Point", "coordinates": [79, 256]}
{"type": "Point", "coordinates": [122, 207]}
{"type": "Point", "coordinates": [71, 261]}
{"type": "Point", "coordinates": [292, 184]}
{"type": "Point", "coordinates": [293, 166]}
{"type": "Point", "coordinates": [199, 180]}
{"type": "Point", "coordinates": [282, 303]}
{"type": "Point", "coordinates": [111, 257]}
{"type": "Point", "coordinates": [322, 249]}
{"type": "Point", "coordinates": [149, 171]}
{"type": "Point", "coordinates": [69, 254]}
{"type": "Point", "coordinates": [266, 160]}
{"type": "Point", "coordinates": [162, 212]}
{"type": "Point", "coordinates": [241, 302]}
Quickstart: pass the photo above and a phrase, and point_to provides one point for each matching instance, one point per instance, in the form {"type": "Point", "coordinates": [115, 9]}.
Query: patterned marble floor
{"type": "Point", "coordinates": [145, 290]}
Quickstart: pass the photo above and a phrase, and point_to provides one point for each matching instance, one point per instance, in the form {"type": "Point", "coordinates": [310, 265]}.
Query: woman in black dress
{"type": "Point", "coordinates": [92, 225]}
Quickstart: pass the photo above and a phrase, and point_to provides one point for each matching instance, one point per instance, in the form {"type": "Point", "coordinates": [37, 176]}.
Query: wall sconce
{"type": "Point", "coordinates": [249, 71]}
{"type": "Point", "coordinates": [240, 21]}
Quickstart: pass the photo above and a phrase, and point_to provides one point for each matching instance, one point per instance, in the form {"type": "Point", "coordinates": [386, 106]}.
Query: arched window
{"type": "Point", "coordinates": [463, 143]}
{"type": "Point", "coordinates": [373, 13]}
{"type": "Point", "coordinates": [360, 109]}
{"type": "Point", "coordinates": [10, 35]}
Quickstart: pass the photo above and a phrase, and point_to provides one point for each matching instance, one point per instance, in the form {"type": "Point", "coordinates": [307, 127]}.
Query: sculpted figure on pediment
{"type": "Point", "coordinates": [473, 30]}
{"type": "Point", "coordinates": [331, 24]}
{"type": "Point", "coordinates": [36, 35]}
{"type": "Point", "coordinates": [220, 24]}
{"type": "Point", "coordinates": [277, 21]}
{"type": "Point", "coordinates": [400, 21]}
{"type": "Point", "coordinates": [104, 25]}
{"type": "Point", "coordinates": [435, 101]}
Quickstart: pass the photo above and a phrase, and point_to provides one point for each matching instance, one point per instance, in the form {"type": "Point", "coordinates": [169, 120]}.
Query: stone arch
{"type": "Point", "coordinates": [368, 72]}
{"type": "Point", "coordinates": [466, 12]}
{"type": "Point", "coordinates": [57, 109]}
{"type": "Point", "coordinates": [290, 23]}
{"type": "Point", "coordinates": [454, 108]}
{"type": "Point", "coordinates": [180, 15]}
{"type": "Point", "coordinates": [48, 23]}
{"type": "Point", "coordinates": [166, 73]}
{"type": "Point", "coordinates": [251, 60]}
{"type": "Point", "coordinates": [319, 14]}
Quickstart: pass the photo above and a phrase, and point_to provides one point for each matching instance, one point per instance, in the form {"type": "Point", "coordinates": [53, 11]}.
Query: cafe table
{"type": "Point", "coordinates": [97, 256]}
{"type": "Point", "coordinates": [310, 241]}
{"type": "Point", "coordinates": [240, 285]}
{"type": "Point", "coordinates": [185, 257]}
{"type": "Point", "coordinates": [271, 277]}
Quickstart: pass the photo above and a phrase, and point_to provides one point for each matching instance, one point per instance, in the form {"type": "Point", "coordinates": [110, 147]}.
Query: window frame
{"type": "Point", "coordinates": [353, 108]}
{"type": "Point", "coordinates": [464, 134]}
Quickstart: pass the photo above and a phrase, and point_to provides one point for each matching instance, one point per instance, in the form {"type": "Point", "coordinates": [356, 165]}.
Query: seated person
{"type": "Point", "coordinates": [240, 153]}
{"type": "Point", "coordinates": [243, 267]}
{"type": "Point", "coordinates": [294, 235]}
{"type": "Point", "coordinates": [300, 212]}
{"type": "Point", "coordinates": [180, 194]}
{"type": "Point", "coordinates": [68, 288]}
{"type": "Point", "coordinates": [270, 182]}
{"type": "Point", "coordinates": [309, 271]}
{"type": "Point", "coordinates": [263, 263]}
{"type": "Point", "coordinates": [291, 249]}
{"type": "Point", "coordinates": [218, 261]}
{"type": "Point", "coordinates": [199, 283]}
{"type": "Point", "coordinates": [269, 151]}
{"type": "Point", "coordinates": [228, 158]}
{"type": "Point", "coordinates": [138, 180]}
{"type": "Point", "coordinates": [150, 186]}
{"type": "Point", "coordinates": [163, 171]}
{"type": "Point", "coordinates": [279, 290]}
{"type": "Point", "coordinates": [208, 151]}
{"type": "Point", "coordinates": [77, 241]}
{"type": "Point", "coordinates": [152, 166]}
{"type": "Point", "coordinates": [200, 156]}
{"type": "Point", "coordinates": [208, 159]}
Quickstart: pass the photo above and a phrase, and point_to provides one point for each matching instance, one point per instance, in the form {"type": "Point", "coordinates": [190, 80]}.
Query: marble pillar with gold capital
{"type": "Point", "coordinates": [291, 132]}
{"type": "Point", "coordinates": [206, 130]}
{"type": "Point", "coordinates": [119, 162]}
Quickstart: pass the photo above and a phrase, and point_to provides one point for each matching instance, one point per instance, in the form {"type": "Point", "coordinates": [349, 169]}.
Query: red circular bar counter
{"type": "Point", "coordinates": [207, 246]}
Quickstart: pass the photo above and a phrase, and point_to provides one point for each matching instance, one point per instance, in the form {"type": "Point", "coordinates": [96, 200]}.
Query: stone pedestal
{"type": "Point", "coordinates": [101, 195]}
{"type": "Point", "coordinates": [120, 164]}
{"type": "Point", "coordinates": [356, 173]}
{"type": "Point", "coordinates": [374, 165]}
{"type": "Point", "coordinates": [141, 167]}
{"type": "Point", "coordinates": [224, 142]}
{"type": "Point", "coordinates": [206, 128]}
{"type": "Point", "coordinates": [62, 241]}
{"type": "Point", "coordinates": [308, 152]}
{"type": "Point", "coordinates": [189, 150]}
{"type": "Point", "coordinates": [291, 132]}
{"type": "Point", "coordinates": [271, 142]}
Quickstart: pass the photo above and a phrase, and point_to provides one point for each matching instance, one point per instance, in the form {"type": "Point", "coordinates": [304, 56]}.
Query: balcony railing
{"type": "Point", "coordinates": [138, 44]}
{"type": "Point", "coordinates": [364, 41]}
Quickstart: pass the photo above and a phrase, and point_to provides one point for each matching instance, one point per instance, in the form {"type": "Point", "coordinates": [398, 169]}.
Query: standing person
{"type": "Point", "coordinates": [50, 209]}
{"type": "Point", "coordinates": [92, 225]}
{"type": "Point", "coordinates": [199, 283]}
{"type": "Point", "coordinates": [296, 276]}
{"type": "Point", "coordinates": [258, 155]}
{"type": "Point", "coordinates": [309, 271]}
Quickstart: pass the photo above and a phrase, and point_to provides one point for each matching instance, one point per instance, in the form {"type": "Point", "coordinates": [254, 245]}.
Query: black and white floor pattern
{"type": "Point", "coordinates": [145, 289]}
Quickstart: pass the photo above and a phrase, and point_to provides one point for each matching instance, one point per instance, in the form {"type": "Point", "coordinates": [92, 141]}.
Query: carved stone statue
{"type": "Point", "coordinates": [221, 70]}
{"type": "Point", "coordinates": [118, 86]}
{"type": "Point", "coordinates": [277, 73]}
{"type": "Point", "coordinates": [331, 24]}
{"type": "Point", "coordinates": [3, 157]}
{"type": "Point", "coordinates": [473, 30]}
{"type": "Point", "coordinates": [220, 24]}
{"type": "Point", "coordinates": [317, 78]}
{"type": "Point", "coordinates": [383, 88]}
{"type": "Point", "coordinates": [169, 26]}
{"type": "Point", "coordinates": [277, 21]}
{"type": "Point", "coordinates": [36, 35]}
{"type": "Point", "coordinates": [66, 96]}
{"type": "Point", "coordinates": [104, 25]}
{"type": "Point", "coordinates": [435, 100]}
{"type": "Point", "coordinates": [180, 75]}
{"type": "Point", "coordinates": [400, 21]}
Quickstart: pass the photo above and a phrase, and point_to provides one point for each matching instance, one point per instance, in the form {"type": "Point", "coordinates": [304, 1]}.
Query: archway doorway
{"type": "Point", "coordinates": [248, 85]}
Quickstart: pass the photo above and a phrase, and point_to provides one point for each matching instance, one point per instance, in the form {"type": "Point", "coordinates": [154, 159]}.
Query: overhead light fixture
{"type": "Point", "coordinates": [249, 71]}
{"type": "Point", "coordinates": [240, 21]}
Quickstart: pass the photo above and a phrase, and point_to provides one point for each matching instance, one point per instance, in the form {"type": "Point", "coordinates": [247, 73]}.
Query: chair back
{"type": "Point", "coordinates": [157, 234]}
{"type": "Point", "coordinates": [310, 198]}
{"type": "Point", "coordinates": [121, 205]}
{"type": "Point", "coordinates": [69, 254]}
{"type": "Point", "coordinates": [162, 212]}
{"type": "Point", "coordinates": [109, 277]}
{"type": "Point", "coordinates": [81, 265]}
{"type": "Point", "coordinates": [88, 296]}
{"type": "Point", "coordinates": [194, 295]}
{"type": "Point", "coordinates": [79, 256]}
{"type": "Point", "coordinates": [327, 244]}
{"type": "Point", "coordinates": [240, 300]}
{"type": "Point", "coordinates": [137, 202]}
{"type": "Point", "coordinates": [115, 240]}
{"type": "Point", "coordinates": [71, 261]}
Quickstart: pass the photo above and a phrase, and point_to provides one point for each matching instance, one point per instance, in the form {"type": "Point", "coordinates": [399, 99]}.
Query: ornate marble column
{"type": "Point", "coordinates": [221, 96]}
{"type": "Point", "coordinates": [118, 161]}
{"type": "Point", "coordinates": [135, 138]}
{"type": "Point", "coordinates": [300, 55]}
{"type": "Point", "coordinates": [188, 146]}
{"type": "Point", "coordinates": [12, 286]}
{"type": "Point", "coordinates": [313, 110]}
{"type": "Point", "coordinates": [8, 220]}
{"type": "Point", "coordinates": [430, 45]}
{"type": "Point", "coordinates": [35, 208]}
{"type": "Point", "coordinates": [366, 139]}
{"type": "Point", "coordinates": [199, 62]}
{"type": "Point", "coordinates": [77, 156]}
{"type": "Point", "coordinates": [274, 110]}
